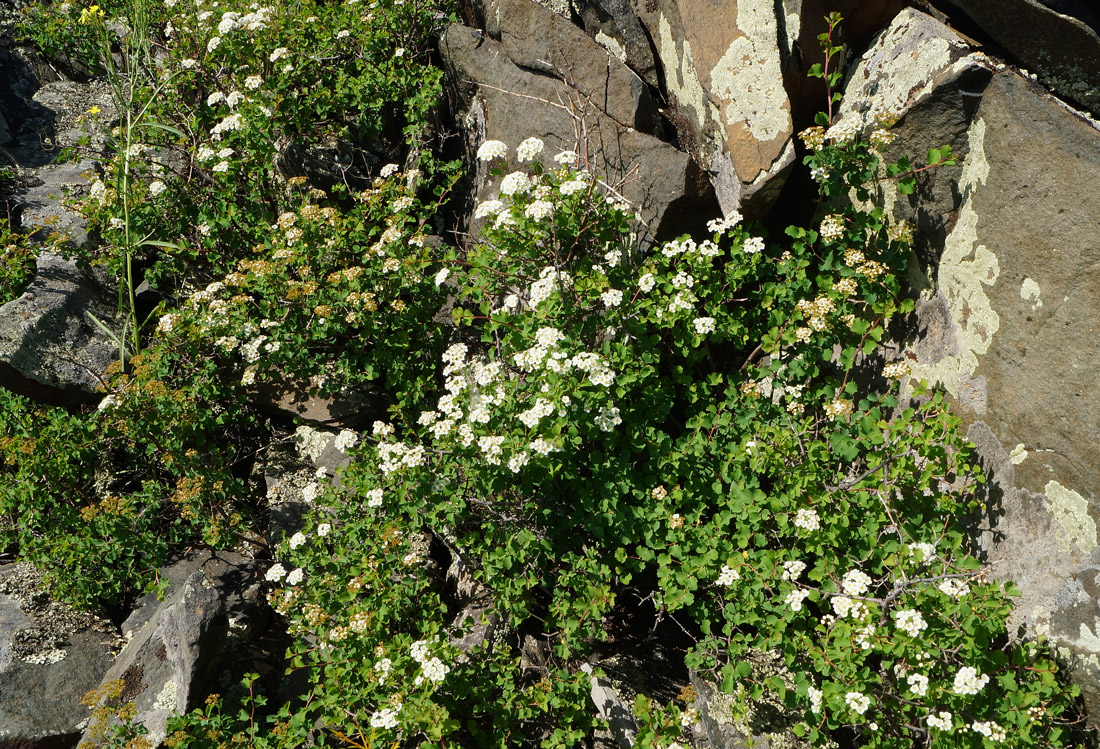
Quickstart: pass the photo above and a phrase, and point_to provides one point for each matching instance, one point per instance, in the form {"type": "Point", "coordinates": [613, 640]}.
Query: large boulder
{"type": "Point", "coordinates": [176, 646]}
{"type": "Point", "coordinates": [1058, 39]}
{"type": "Point", "coordinates": [50, 656]}
{"type": "Point", "coordinates": [51, 348]}
{"type": "Point", "coordinates": [723, 76]}
{"type": "Point", "coordinates": [1007, 315]}
{"type": "Point", "coordinates": [501, 100]}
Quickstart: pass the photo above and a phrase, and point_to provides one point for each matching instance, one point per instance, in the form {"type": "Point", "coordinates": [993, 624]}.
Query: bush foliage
{"type": "Point", "coordinates": [706, 435]}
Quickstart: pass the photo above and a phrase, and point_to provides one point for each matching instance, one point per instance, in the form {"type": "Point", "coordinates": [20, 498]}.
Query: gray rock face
{"type": "Point", "coordinates": [50, 349]}
{"type": "Point", "coordinates": [175, 645]}
{"type": "Point", "coordinates": [50, 657]}
{"type": "Point", "coordinates": [1007, 317]}
{"type": "Point", "coordinates": [503, 101]}
{"type": "Point", "coordinates": [1062, 49]}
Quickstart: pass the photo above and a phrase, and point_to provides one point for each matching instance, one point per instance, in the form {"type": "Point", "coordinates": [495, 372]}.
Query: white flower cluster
{"type": "Point", "coordinates": [954, 587]}
{"type": "Point", "coordinates": [855, 582]}
{"type": "Point", "coordinates": [795, 598]}
{"type": "Point", "coordinates": [488, 208]}
{"type": "Point", "coordinates": [896, 370]}
{"type": "Point", "coordinates": [815, 696]}
{"type": "Point", "coordinates": [394, 456]}
{"type": "Point", "coordinates": [845, 607]}
{"type": "Point", "coordinates": [842, 132]}
{"type": "Point", "coordinates": [384, 718]}
{"type": "Point", "coordinates": [911, 622]}
{"type": "Point", "coordinates": [863, 637]}
{"type": "Point", "coordinates": [832, 227]}
{"type": "Point", "coordinates": [722, 225]}
{"type": "Point", "coordinates": [753, 245]}
{"type": "Point", "coordinates": [703, 325]}
{"type": "Point", "coordinates": [608, 418]}
{"type": "Point", "coordinates": [346, 440]}
{"type": "Point", "coordinates": [298, 539]}
{"type": "Point", "coordinates": [492, 149]}
{"type": "Point", "coordinates": [727, 576]}
{"type": "Point", "coordinates": [969, 681]}
{"type": "Point", "coordinates": [612, 297]}
{"type": "Point", "coordinates": [538, 210]}
{"type": "Point", "coordinates": [792, 569]}
{"type": "Point", "coordinates": [942, 720]}
{"type": "Point", "coordinates": [514, 182]}
{"type": "Point", "coordinates": [807, 520]}
{"type": "Point", "coordinates": [839, 408]}
{"type": "Point", "coordinates": [529, 149]}
{"type": "Point", "coordinates": [857, 702]}
{"type": "Point", "coordinates": [989, 729]}
{"type": "Point", "coordinates": [918, 684]}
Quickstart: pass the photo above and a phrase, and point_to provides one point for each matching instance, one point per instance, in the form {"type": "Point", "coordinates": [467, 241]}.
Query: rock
{"type": "Point", "coordinates": [175, 646]}
{"type": "Point", "coordinates": [547, 44]}
{"type": "Point", "coordinates": [50, 657]}
{"type": "Point", "coordinates": [41, 210]}
{"type": "Point", "coordinates": [612, 708]}
{"type": "Point", "coordinates": [723, 75]}
{"type": "Point", "coordinates": [1063, 50]}
{"type": "Point", "coordinates": [50, 349]}
{"type": "Point", "coordinates": [912, 58]}
{"type": "Point", "coordinates": [733, 721]}
{"type": "Point", "coordinates": [294, 399]}
{"type": "Point", "coordinates": [1007, 316]}
{"type": "Point", "coordinates": [500, 100]}
{"type": "Point", "coordinates": [616, 28]}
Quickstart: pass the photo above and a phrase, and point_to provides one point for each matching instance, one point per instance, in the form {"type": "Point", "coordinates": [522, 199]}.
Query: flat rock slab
{"type": "Point", "coordinates": [50, 349]}
{"type": "Point", "coordinates": [50, 657]}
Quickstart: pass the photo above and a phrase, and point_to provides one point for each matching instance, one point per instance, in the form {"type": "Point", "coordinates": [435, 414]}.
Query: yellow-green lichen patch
{"type": "Point", "coordinates": [1018, 454]}
{"type": "Point", "coordinates": [1029, 291]}
{"type": "Point", "coordinates": [681, 77]}
{"type": "Point", "coordinates": [1071, 512]}
{"type": "Point", "coordinates": [748, 79]}
{"type": "Point", "coordinates": [966, 269]}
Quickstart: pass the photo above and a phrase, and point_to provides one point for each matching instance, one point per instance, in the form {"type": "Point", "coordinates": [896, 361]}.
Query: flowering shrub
{"type": "Point", "coordinates": [702, 435]}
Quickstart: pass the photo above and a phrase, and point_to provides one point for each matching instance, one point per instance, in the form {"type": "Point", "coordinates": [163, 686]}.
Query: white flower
{"type": "Point", "coordinates": [646, 282]}
{"type": "Point", "coordinates": [529, 149]}
{"type": "Point", "coordinates": [492, 149]}
{"type": "Point", "coordinates": [807, 520]}
{"type": "Point", "coordinates": [942, 720]}
{"type": "Point", "coordinates": [295, 576]}
{"type": "Point", "coordinates": [434, 670]}
{"type": "Point", "coordinates": [792, 569]}
{"type": "Point", "coordinates": [374, 498]}
{"type": "Point", "coordinates": [346, 440]}
{"type": "Point", "coordinates": [276, 573]}
{"type": "Point", "coordinates": [442, 276]}
{"type": "Point", "coordinates": [855, 582]}
{"type": "Point", "coordinates": [310, 492]}
{"type": "Point", "coordinates": [753, 245]}
{"type": "Point", "coordinates": [703, 325]}
{"type": "Point", "coordinates": [727, 576]}
{"type": "Point", "coordinates": [156, 187]}
{"type": "Point", "coordinates": [382, 429]}
{"type": "Point", "coordinates": [253, 82]}
{"type": "Point", "coordinates": [612, 297]}
{"type": "Point", "coordinates": [213, 43]}
{"type": "Point", "coordinates": [566, 158]}
{"type": "Point", "coordinates": [608, 418]}
{"type": "Point", "coordinates": [832, 227]}
{"type": "Point", "coordinates": [278, 53]}
{"type": "Point", "coordinates": [513, 183]}
{"type": "Point", "coordinates": [297, 540]}
{"type": "Point", "coordinates": [233, 98]}
{"type": "Point", "coordinates": [794, 599]}
{"type": "Point", "coordinates": [954, 587]}
{"type": "Point", "coordinates": [385, 718]}
{"type": "Point", "coordinates": [910, 621]}
{"type": "Point", "coordinates": [221, 166]}
{"type": "Point", "coordinates": [918, 684]}
{"type": "Point", "coordinates": [539, 209]}
{"type": "Point", "coordinates": [969, 681]}
{"type": "Point", "coordinates": [343, 34]}
{"type": "Point", "coordinates": [388, 171]}
{"type": "Point", "coordinates": [324, 529]}
{"type": "Point", "coordinates": [857, 702]}
{"type": "Point", "coordinates": [815, 696]}
{"type": "Point", "coordinates": [488, 208]}
{"type": "Point", "coordinates": [215, 98]}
